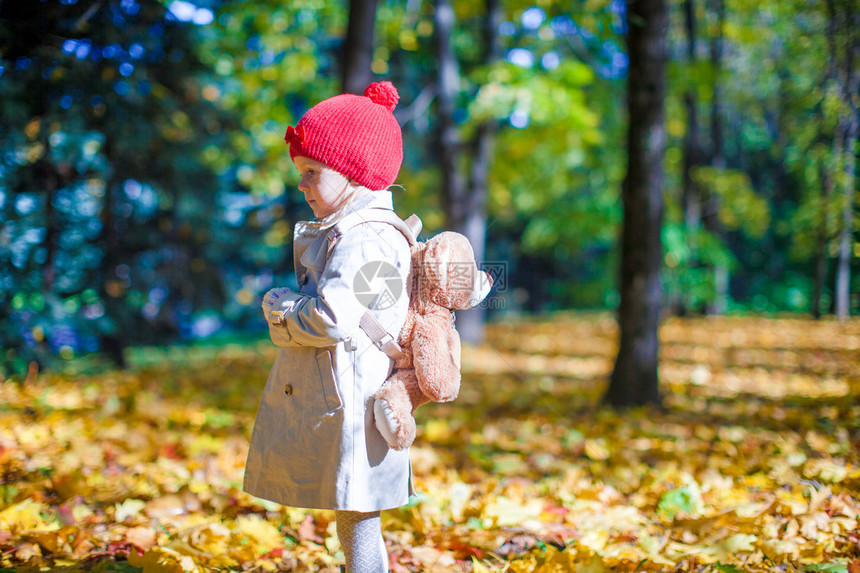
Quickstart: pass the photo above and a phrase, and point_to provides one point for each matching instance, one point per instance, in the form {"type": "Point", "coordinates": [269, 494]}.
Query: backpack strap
{"type": "Point", "coordinates": [382, 339]}
{"type": "Point", "coordinates": [409, 228]}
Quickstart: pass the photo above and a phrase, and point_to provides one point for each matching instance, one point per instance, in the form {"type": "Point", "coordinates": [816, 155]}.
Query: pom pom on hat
{"type": "Point", "coordinates": [383, 93]}
{"type": "Point", "coordinates": [357, 136]}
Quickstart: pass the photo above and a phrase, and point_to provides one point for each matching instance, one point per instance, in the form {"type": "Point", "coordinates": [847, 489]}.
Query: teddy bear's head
{"type": "Point", "coordinates": [450, 276]}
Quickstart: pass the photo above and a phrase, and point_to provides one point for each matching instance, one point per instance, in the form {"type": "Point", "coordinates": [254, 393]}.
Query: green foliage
{"type": "Point", "coordinates": [828, 567]}
{"type": "Point", "coordinates": [547, 97]}
{"type": "Point", "coordinates": [145, 186]}
{"type": "Point", "coordinates": [536, 165]}
{"type": "Point", "coordinates": [99, 148]}
{"type": "Point", "coordinates": [740, 207]}
{"type": "Point", "coordinates": [727, 568]}
{"type": "Point", "coordinates": [685, 500]}
{"type": "Point", "coordinates": [690, 258]}
{"type": "Point", "coordinates": [270, 65]}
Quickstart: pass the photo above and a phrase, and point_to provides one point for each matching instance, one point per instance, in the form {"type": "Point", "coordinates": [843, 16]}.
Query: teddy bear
{"type": "Point", "coordinates": [444, 277]}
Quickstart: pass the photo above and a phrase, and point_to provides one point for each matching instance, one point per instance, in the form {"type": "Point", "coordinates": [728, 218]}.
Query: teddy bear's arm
{"type": "Point", "coordinates": [436, 349]}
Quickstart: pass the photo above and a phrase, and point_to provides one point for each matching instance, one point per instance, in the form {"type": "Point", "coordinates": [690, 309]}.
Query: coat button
{"type": "Point", "coordinates": [288, 389]}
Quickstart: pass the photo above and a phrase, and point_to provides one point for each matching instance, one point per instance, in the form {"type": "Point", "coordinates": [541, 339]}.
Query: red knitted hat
{"type": "Point", "coordinates": [356, 136]}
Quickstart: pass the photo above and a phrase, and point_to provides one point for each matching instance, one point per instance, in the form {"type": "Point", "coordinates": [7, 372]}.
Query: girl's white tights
{"type": "Point", "coordinates": [360, 537]}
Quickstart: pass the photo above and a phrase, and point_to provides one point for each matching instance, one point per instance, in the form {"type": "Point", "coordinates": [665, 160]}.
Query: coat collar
{"type": "Point", "coordinates": [309, 238]}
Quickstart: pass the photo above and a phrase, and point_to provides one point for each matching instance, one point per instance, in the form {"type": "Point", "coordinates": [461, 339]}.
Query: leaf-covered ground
{"type": "Point", "coordinates": [752, 465]}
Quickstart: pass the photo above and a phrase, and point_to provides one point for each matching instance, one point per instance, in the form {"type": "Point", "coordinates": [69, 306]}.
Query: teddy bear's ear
{"type": "Point", "coordinates": [414, 224]}
{"type": "Point", "coordinates": [481, 288]}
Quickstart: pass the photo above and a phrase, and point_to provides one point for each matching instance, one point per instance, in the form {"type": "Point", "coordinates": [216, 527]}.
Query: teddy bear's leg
{"type": "Point", "coordinates": [393, 409]}
{"type": "Point", "coordinates": [398, 431]}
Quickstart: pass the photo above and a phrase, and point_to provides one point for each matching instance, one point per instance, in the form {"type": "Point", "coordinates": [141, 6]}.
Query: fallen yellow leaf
{"type": "Point", "coordinates": [25, 516]}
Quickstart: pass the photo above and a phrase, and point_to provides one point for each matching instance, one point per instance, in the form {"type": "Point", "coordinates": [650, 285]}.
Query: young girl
{"type": "Point", "coordinates": [314, 443]}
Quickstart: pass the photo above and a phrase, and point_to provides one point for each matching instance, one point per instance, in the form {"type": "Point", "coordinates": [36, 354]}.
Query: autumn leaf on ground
{"type": "Point", "coordinates": [751, 465]}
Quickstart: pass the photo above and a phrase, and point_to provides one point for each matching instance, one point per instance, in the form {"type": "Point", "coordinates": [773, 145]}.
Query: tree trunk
{"type": "Point", "coordinates": [692, 150]}
{"type": "Point", "coordinates": [819, 276]}
{"type": "Point", "coordinates": [822, 235]}
{"type": "Point", "coordinates": [719, 304]}
{"type": "Point", "coordinates": [464, 210]}
{"type": "Point", "coordinates": [470, 323]}
{"type": "Point", "coordinates": [690, 199]}
{"type": "Point", "coordinates": [846, 236]}
{"type": "Point", "coordinates": [634, 380]}
{"type": "Point", "coordinates": [111, 339]}
{"type": "Point", "coordinates": [842, 27]}
{"type": "Point", "coordinates": [48, 180]}
{"type": "Point", "coordinates": [716, 54]}
{"type": "Point", "coordinates": [448, 142]}
{"type": "Point", "coordinates": [356, 73]}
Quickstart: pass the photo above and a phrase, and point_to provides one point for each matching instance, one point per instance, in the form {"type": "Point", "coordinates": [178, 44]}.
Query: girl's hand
{"type": "Point", "coordinates": [269, 300]}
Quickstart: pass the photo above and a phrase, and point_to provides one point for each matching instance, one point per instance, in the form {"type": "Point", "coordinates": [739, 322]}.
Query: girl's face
{"type": "Point", "coordinates": [325, 189]}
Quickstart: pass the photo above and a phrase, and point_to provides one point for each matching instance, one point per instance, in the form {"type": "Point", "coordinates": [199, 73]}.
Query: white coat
{"type": "Point", "coordinates": [314, 442]}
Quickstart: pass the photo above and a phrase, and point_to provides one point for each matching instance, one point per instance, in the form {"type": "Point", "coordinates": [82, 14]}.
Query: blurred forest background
{"type": "Point", "coordinates": [146, 196]}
